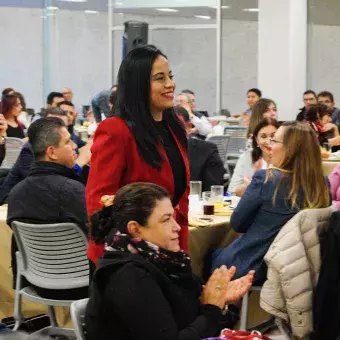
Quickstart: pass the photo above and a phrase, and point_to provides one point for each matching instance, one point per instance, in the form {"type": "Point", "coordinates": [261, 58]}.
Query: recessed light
{"type": "Point", "coordinates": [206, 17]}
{"type": "Point", "coordinates": [223, 7]}
{"type": "Point", "coordinates": [88, 11]}
{"type": "Point", "coordinates": [52, 8]}
{"type": "Point", "coordinates": [119, 3]}
{"type": "Point", "coordinates": [170, 10]}
{"type": "Point", "coordinates": [251, 10]}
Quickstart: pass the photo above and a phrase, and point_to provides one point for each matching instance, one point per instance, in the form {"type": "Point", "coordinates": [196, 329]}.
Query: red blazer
{"type": "Point", "coordinates": [116, 162]}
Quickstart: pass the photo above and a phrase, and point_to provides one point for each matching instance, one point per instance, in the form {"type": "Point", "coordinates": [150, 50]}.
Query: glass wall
{"type": "Point", "coordinates": [323, 46]}
{"type": "Point", "coordinates": [187, 35]}
{"type": "Point", "coordinates": [239, 52]}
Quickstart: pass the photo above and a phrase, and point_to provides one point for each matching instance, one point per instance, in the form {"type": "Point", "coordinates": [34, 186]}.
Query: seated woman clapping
{"type": "Point", "coordinates": [294, 182]}
{"type": "Point", "coordinates": [255, 158]}
{"type": "Point", "coordinates": [144, 287]}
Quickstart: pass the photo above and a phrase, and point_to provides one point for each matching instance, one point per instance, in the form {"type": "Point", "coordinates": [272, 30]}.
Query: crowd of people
{"type": "Point", "coordinates": [127, 187]}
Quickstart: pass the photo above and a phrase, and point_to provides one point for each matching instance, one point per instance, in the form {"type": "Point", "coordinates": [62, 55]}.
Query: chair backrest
{"type": "Point", "coordinates": [236, 146]}
{"type": "Point", "coordinates": [222, 145]}
{"type": "Point", "coordinates": [235, 131]}
{"type": "Point", "coordinates": [78, 309]}
{"type": "Point", "coordinates": [53, 255]}
{"type": "Point", "coordinates": [13, 148]}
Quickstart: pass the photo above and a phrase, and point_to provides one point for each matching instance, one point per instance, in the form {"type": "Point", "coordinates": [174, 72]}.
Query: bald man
{"type": "Point", "coordinates": [67, 93]}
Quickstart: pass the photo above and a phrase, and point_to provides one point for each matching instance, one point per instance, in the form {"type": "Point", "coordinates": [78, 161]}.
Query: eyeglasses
{"type": "Point", "coordinates": [274, 141]}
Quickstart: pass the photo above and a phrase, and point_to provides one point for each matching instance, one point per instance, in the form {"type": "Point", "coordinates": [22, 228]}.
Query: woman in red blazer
{"type": "Point", "coordinates": [143, 142]}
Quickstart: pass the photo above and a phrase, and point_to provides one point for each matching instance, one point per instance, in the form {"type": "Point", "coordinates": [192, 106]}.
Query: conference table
{"type": "Point", "coordinates": [328, 166]}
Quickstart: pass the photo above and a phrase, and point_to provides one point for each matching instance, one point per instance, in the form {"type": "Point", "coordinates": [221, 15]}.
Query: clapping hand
{"type": "Point", "coordinates": [237, 288]}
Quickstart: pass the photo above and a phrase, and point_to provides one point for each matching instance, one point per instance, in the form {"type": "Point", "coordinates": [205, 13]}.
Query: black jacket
{"type": "Point", "coordinates": [133, 299]}
{"type": "Point", "coordinates": [205, 163]}
{"type": "Point", "coordinates": [51, 193]}
{"type": "Point", "coordinates": [326, 306]}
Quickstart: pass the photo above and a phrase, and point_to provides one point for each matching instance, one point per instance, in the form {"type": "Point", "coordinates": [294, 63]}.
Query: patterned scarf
{"type": "Point", "coordinates": [174, 264]}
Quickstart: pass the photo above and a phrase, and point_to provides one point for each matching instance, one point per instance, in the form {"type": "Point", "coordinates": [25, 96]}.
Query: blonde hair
{"type": "Point", "coordinates": [303, 165]}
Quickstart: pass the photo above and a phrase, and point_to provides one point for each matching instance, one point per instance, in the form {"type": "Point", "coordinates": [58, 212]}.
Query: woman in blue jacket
{"type": "Point", "coordinates": [294, 182]}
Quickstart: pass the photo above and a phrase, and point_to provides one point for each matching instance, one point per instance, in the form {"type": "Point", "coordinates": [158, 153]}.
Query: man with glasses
{"type": "Point", "coordinates": [202, 127]}
{"type": "Point", "coordinates": [327, 98]}
{"type": "Point", "coordinates": [309, 98]}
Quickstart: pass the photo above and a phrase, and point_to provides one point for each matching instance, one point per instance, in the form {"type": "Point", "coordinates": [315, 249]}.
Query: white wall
{"type": "Point", "coordinates": [21, 52]}
{"type": "Point", "coordinates": [79, 53]}
{"type": "Point", "coordinates": [324, 60]}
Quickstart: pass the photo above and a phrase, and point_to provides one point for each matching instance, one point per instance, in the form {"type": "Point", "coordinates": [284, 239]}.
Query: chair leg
{"type": "Point", "coordinates": [51, 314]}
{"type": "Point", "coordinates": [18, 297]}
{"type": "Point", "coordinates": [244, 312]}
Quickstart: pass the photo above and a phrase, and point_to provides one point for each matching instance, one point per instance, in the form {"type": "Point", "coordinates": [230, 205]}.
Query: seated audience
{"type": "Point", "coordinates": [21, 168]}
{"type": "Point", "coordinates": [67, 94]}
{"type": "Point", "coordinates": [334, 180]}
{"type": "Point", "coordinates": [11, 108]}
{"type": "Point", "coordinates": [100, 104]}
{"type": "Point", "coordinates": [253, 96]}
{"type": "Point", "coordinates": [202, 126]}
{"type": "Point", "coordinates": [309, 98]}
{"type": "Point", "coordinates": [144, 287]}
{"type": "Point", "coordinates": [71, 116]}
{"type": "Point", "coordinates": [318, 116]}
{"type": "Point", "coordinates": [254, 159]}
{"type": "Point", "coordinates": [205, 163]}
{"type": "Point", "coordinates": [52, 100]}
{"type": "Point", "coordinates": [327, 98]}
{"type": "Point", "coordinates": [264, 108]}
{"type": "Point", "coordinates": [294, 182]}
{"type": "Point", "coordinates": [52, 192]}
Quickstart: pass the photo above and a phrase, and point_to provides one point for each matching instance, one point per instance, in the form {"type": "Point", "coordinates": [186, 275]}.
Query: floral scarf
{"type": "Point", "coordinates": [174, 264]}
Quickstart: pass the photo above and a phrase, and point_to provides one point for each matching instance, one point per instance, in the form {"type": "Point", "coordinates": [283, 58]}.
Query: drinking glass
{"type": "Point", "coordinates": [196, 189]}
{"type": "Point", "coordinates": [208, 204]}
{"type": "Point", "coordinates": [217, 193]}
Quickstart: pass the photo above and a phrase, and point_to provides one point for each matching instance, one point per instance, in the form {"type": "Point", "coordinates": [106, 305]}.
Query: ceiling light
{"type": "Point", "coordinates": [251, 10]}
{"type": "Point", "coordinates": [170, 10]}
{"type": "Point", "coordinates": [206, 17]}
{"type": "Point", "coordinates": [74, 0]}
{"type": "Point", "coordinates": [223, 7]}
{"type": "Point", "coordinates": [88, 11]}
{"type": "Point", "coordinates": [52, 8]}
{"type": "Point", "coordinates": [119, 3]}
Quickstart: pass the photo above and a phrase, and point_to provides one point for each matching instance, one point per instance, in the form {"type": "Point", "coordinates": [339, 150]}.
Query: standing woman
{"type": "Point", "coordinates": [11, 108]}
{"type": "Point", "coordinates": [143, 142]}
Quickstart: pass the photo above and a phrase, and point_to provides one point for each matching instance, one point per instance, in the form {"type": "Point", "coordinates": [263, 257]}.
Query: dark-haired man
{"type": "Point", "coordinates": [309, 98]}
{"type": "Point", "coordinates": [327, 98]}
{"type": "Point", "coordinates": [205, 163]}
{"type": "Point", "coordinates": [71, 116]}
{"type": "Point", "coordinates": [21, 168]}
{"type": "Point", "coordinates": [52, 192]}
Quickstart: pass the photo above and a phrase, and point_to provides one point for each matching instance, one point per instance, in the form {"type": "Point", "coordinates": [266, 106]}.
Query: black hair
{"type": "Point", "coordinates": [22, 101]}
{"type": "Point", "coordinates": [65, 102]}
{"type": "Point", "coordinates": [188, 92]}
{"type": "Point", "coordinates": [183, 112]}
{"type": "Point", "coordinates": [256, 152]}
{"type": "Point", "coordinates": [53, 95]}
{"type": "Point", "coordinates": [310, 92]}
{"type": "Point", "coordinates": [43, 133]}
{"type": "Point", "coordinates": [326, 94]}
{"type": "Point", "coordinates": [317, 111]}
{"type": "Point", "coordinates": [133, 104]}
{"type": "Point", "coordinates": [255, 90]}
{"type": "Point", "coordinates": [133, 202]}
{"type": "Point", "coordinates": [112, 101]}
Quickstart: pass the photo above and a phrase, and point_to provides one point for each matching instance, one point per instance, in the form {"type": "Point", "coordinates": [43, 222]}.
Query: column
{"type": "Point", "coordinates": [282, 53]}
